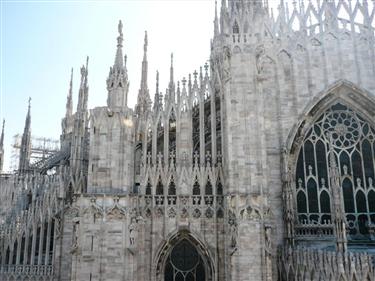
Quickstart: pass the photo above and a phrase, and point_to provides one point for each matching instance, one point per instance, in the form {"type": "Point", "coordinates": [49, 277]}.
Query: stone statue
{"type": "Point", "coordinates": [75, 236]}
{"type": "Point", "coordinates": [132, 231]}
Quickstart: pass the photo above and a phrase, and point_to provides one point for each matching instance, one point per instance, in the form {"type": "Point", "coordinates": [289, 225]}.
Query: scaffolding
{"type": "Point", "coordinates": [41, 149]}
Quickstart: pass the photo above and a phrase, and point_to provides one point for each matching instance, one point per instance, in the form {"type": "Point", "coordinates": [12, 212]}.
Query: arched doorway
{"type": "Point", "coordinates": [184, 263]}
{"type": "Point", "coordinates": [184, 258]}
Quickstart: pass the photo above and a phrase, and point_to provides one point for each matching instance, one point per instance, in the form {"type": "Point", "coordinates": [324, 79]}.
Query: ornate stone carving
{"type": "Point", "coordinates": [75, 241]}
{"type": "Point", "coordinates": [197, 213]}
{"type": "Point", "coordinates": [171, 213]}
{"type": "Point", "coordinates": [233, 228]}
{"type": "Point", "coordinates": [116, 213]}
{"type": "Point", "coordinates": [250, 213]}
{"type": "Point", "coordinates": [209, 213]}
{"type": "Point", "coordinates": [184, 213]}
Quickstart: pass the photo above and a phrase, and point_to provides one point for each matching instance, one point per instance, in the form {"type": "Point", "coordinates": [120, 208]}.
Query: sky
{"type": "Point", "coordinates": [42, 40]}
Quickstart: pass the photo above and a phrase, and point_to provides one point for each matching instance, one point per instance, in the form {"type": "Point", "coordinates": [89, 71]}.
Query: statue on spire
{"type": "Point", "coordinates": [69, 100]}
{"type": "Point", "coordinates": [120, 27]}
{"type": "Point", "coordinates": [120, 38]}
{"type": "Point", "coordinates": [171, 87]}
{"type": "Point", "coordinates": [145, 44]}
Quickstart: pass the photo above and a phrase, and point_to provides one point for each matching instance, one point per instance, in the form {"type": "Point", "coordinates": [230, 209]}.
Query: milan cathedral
{"type": "Point", "coordinates": [260, 166]}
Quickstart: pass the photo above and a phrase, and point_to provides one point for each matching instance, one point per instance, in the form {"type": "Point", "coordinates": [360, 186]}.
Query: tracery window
{"type": "Point", "coordinates": [352, 140]}
{"type": "Point", "coordinates": [184, 263]}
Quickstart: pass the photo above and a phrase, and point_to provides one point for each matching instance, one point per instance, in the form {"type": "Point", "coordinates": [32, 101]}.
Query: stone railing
{"type": "Point", "coordinates": [25, 270]}
{"type": "Point", "coordinates": [305, 231]}
{"type": "Point", "coordinates": [173, 206]}
{"type": "Point", "coordinates": [312, 264]}
{"type": "Point", "coordinates": [194, 200]}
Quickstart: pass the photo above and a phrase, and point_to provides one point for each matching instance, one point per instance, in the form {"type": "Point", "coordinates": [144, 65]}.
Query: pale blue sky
{"type": "Point", "coordinates": [42, 40]}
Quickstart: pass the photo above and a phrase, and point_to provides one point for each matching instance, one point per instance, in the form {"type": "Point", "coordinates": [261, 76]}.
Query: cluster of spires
{"type": "Point", "coordinates": [118, 79]}
{"type": "Point", "coordinates": [78, 123]}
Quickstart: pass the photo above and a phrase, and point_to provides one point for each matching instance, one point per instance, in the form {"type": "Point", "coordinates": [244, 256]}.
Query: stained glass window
{"type": "Point", "coordinates": [352, 139]}
{"type": "Point", "coordinates": [184, 263]}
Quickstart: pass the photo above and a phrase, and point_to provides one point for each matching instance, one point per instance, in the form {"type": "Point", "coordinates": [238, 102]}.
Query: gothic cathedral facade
{"type": "Point", "coordinates": [260, 166]}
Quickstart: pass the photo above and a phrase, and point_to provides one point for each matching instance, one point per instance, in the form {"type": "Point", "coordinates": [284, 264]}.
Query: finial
{"type": "Point", "coordinates": [82, 71]}
{"type": "Point", "coordinates": [157, 81]}
{"type": "Point", "coordinates": [2, 135]}
{"type": "Point", "coordinates": [206, 68]}
{"type": "Point", "coordinates": [216, 21]}
{"type": "Point", "coordinates": [87, 65]}
{"type": "Point", "coordinates": [146, 43]}
{"type": "Point", "coordinates": [157, 101]}
{"type": "Point", "coordinates": [29, 102]}
{"type": "Point", "coordinates": [69, 100]}
{"type": "Point", "coordinates": [120, 27]}
{"type": "Point", "coordinates": [71, 77]}
{"type": "Point", "coordinates": [120, 38]}
{"type": "Point", "coordinates": [171, 78]}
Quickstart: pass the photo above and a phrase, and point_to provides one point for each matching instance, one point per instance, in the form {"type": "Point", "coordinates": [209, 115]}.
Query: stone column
{"type": "Point", "coordinates": [10, 258]}
{"type": "Point", "coordinates": [18, 254]}
{"type": "Point", "coordinates": [48, 242]}
{"type": "Point", "coordinates": [33, 245]}
{"type": "Point", "coordinates": [213, 126]}
{"type": "Point", "coordinates": [141, 260]}
{"type": "Point", "coordinates": [41, 242]}
{"type": "Point", "coordinates": [26, 250]}
{"type": "Point", "coordinates": [201, 126]}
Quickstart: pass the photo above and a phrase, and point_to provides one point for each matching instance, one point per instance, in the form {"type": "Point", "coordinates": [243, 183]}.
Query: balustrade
{"type": "Point", "coordinates": [26, 270]}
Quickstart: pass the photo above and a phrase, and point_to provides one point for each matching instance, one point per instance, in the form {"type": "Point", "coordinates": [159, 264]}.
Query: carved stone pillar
{"type": "Point", "coordinates": [41, 242]}
{"type": "Point", "coordinates": [337, 203]}
{"type": "Point", "coordinates": [26, 249]}
{"type": "Point", "coordinates": [18, 253]}
{"type": "Point", "coordinates": [287, 194]}
{"type": "Point", "coordinates": [33, 245]}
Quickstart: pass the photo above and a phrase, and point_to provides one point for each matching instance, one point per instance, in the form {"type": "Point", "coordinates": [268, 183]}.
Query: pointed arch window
{"type": "Point", "coordinates": [160, 188]}
{"type": "Point", "coordinates": [208, 189]}
{"type": "Point", "coordinates": [172, 132]}
{"type": "Point", "coordinates": [149, 141]}
{"type": "Point", "coordinates": [196, 188]}
{"type": "Point", "coordinates": [195, 127]}
{"type": "Point", "coordinates": [184, 263]}
{"type": "Point", "coordinates": [236, 28]}
{"type": "Point", "coordinates": [219, 190]}
{"type": "Point", "coordinates": [353, 143]}
{"type": "Point", "coordinates": [148, 188]}
{"type": "Point", "coordinates": [172, 189]}
{"type": "Point", "coordinates": [160, 138]}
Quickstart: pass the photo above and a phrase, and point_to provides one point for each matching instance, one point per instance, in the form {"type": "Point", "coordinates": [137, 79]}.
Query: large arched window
{"type": "Point", "coordinates": [184, 263]}
{"type": "Point", "coordinates": [352, 140]}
